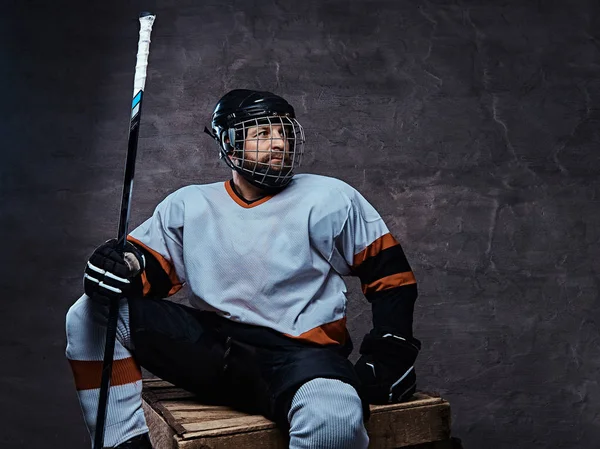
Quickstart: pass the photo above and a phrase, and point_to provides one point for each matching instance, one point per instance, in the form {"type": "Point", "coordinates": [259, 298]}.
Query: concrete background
{"type": "Point", "coordinates": [473, 127]}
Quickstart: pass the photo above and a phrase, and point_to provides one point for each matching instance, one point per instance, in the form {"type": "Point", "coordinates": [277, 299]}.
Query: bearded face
{"type": "Point", "coordinates": [267, 148]}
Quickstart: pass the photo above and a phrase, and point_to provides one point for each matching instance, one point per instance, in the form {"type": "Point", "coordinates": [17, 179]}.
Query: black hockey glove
{"type": "Point", "coordinates": [386, 369]}
{"type": "Point", "coordinates": [111, 275]}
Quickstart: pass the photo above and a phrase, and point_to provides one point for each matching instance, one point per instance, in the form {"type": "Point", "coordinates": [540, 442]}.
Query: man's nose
{"type": "Point", "coordinates": [278, 142]}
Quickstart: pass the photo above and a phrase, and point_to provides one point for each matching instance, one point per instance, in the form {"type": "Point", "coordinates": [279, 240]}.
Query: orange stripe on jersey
{"type": "Point", "coordinates": [88, 373]}
{"type": "Point", "coordinates": [166, 266]}
{"type": "Point", "coordinates": [394, 280]}
{"type": "Point", "coordinates": [384, 242]}
{"type": "Point", "coordinates": [235, 198]}
{"type": "Point", "coordinates": [145, 283]}
{"type": "Point", "coordinates": [326, 334]}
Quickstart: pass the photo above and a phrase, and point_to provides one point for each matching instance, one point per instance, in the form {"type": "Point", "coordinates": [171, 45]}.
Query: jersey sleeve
{"type": "Point", "coordinates": [160, 238]}
{"type": "Point", "coordinates": [378, 260]}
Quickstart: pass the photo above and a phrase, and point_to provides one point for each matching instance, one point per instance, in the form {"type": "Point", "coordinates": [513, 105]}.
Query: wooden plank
{"type": "Point", "coordinates": [193, 417]}
{"type": "Point", "coordinates": [157, 383]}
{"type": "Point", "coordinates": [216, 428]}
{"type": "Point", "coordinates": [193, 404]}
{"type": "Point", "coordinates": [263, 439]}
{"type": "Point", "coordinates": [418, 400]}
{"type": "Point", "coordinates": [161, 434]}
{"type": "Point", "coordinates": [411, 426]}
{"type": "Point", "coordinates": [162, 394]}
{"type": "Point", "coordinates": [162, 390]}
{"type": "Point", "coordinates": [150, 399]}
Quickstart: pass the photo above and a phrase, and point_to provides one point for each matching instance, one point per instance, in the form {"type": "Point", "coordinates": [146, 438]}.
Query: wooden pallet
{"type": "Point", "coordinates": [178, 421]}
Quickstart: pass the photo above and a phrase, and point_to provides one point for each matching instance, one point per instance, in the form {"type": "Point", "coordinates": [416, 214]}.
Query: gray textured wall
{"type": "Point", "coordinates": [473, 127]}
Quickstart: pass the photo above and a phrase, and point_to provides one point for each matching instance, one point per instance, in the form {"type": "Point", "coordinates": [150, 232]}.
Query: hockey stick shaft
{"type": "Point", "coordinates": [146, 22]}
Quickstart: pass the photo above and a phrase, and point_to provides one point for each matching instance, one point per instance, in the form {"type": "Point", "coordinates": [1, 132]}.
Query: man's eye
{"type": "Point", "coordinates": [262, 133]}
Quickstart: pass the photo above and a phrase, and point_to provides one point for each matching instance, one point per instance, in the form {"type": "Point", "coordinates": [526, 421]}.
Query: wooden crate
{"type": "Point", "coordinates": [178, 421]}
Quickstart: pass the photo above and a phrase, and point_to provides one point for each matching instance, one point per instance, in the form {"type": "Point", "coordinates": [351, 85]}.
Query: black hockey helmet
{"type": "Point", "coordinates": [245, 124]}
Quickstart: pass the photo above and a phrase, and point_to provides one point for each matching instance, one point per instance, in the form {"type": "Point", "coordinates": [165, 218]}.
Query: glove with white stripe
{"type": "Point", "coordinates": [112, 275]}
{"type": "Point", "coordinates": [386, 369]}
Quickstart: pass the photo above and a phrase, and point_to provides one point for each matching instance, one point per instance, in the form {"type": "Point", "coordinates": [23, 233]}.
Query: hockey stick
{"type": "Point", "coordinates": [146, 22]}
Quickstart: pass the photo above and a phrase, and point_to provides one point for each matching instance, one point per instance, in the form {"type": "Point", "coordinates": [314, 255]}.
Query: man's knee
{"type": "Point", "coordinates": [75, 324]}
{"type": "Point", "coordinates": [327, 413]}
{"type": "Point", "coordinates": [85, 327]}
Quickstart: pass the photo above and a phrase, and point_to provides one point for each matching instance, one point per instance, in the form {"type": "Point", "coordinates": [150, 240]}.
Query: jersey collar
{"type": "Point", "coordinates": [235, 196]}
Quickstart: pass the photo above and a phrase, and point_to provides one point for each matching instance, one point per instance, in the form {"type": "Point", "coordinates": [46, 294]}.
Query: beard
{"type": "Point", "coordinates": [270, 164]}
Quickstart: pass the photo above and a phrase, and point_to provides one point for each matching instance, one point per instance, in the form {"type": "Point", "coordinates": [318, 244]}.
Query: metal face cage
{"type": "Point", "coordinates": [267, 148]}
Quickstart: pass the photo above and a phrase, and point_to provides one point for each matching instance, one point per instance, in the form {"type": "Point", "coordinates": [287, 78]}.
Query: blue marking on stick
{"type": "Point", "coordinates": [136, 99]}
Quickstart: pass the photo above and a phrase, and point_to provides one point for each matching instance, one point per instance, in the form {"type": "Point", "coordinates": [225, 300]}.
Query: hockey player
{"type": "Point", "coordinates": [263, 255]}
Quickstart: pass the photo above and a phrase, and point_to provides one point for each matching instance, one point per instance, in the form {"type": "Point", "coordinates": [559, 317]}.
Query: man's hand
{"type": "Point", "coordinates": [386, 367]}
{"type": "Point", "coordinates": [109, 274]}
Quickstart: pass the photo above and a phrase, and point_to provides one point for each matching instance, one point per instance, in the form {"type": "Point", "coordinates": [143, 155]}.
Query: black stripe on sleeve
{"type": "Point", "coordinates": [393, 309]}
{"type": "Point", "coordinates": [160, 284]}
{"type": "Point", "coordinates": [385, 263]}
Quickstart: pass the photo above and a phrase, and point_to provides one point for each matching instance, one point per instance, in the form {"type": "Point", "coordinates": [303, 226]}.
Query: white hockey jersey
{"type": "Point", "coordinates": [277, 262]}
